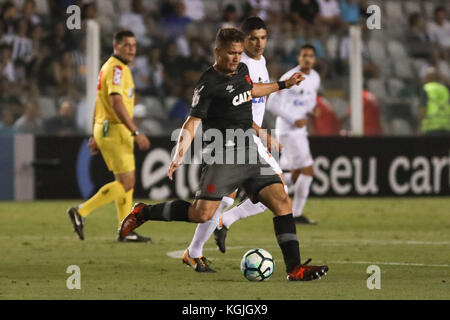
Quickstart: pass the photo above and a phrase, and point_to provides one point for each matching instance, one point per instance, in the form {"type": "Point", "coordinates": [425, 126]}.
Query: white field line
{"type": "Point", "coordinates": [331, 242]}
{"type": "Point", "coordinates": [179, 254]}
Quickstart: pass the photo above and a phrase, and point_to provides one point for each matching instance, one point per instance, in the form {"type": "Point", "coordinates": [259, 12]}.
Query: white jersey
{"type": "Point", "coordinates": [258, 74]}
{"type": "Point", "coordinates": [296, 103]}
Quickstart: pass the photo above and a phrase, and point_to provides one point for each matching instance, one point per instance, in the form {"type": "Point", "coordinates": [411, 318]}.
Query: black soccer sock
{"type": "Point", "coordinates": [286, 233]}
{"type": "Point", "coordinates": [177, 210]}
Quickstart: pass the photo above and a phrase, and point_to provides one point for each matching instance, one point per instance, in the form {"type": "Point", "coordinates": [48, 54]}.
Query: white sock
{"type": "Point", "coordinates": [301, 193]}
{"type": "Point", "coordinates": [244, 210]}
{"type": "Point", "coordinates": [205, 230]}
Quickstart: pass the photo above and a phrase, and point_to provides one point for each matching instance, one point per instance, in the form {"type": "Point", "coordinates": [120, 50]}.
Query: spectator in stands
{"type": "Point", "coordinates": [134, 21]}
{"type": "Point", "coordinates": [196, 63]}
{"type": "Point", "coordinates": [79, 60]}
{"type": "Point", "coordinates": [230, 17]}
{"type": "Point", "coordinates": [30, 121]}
{"type": "Point", "coordinates": [7, 17]}
{"type": "Point", "coordinates": [39, 51]}
{"type": "Point", "coordinates": [418, 41]}
{"type": "Point", "coordinates": [148, 73]}
{"type": "Point", "coordinates": [7, 72]}
{"type": "Point", "coordinates": [64, 123]}
{"type": "Point", "coordinates": [180, 109]}
{"type": "Point", "coordinates": [325, 121]}
{"type": "Point", "coordinates": [329, 14]}
{"type": "Point", "coordinates": [435, 111]}
{"type": "Point", "coordinates": [156, 74]}
{"type": "Point", "coordinates": [7, 121]}
{"type": "Point", "coordinates": [195, 10]}
{"type": "Point", "coordinates": [173, 64]}
{"type": "Point", "coordinates": [22, 46]}
{"type": "Point", "coordinates": [439, 31]}
{"type": "Point", "coordinates": [350, 11]}
{"type": "Point", "coordinates": [258, 8]}
{"type": "Point", "coordinates": [64, 76]}
{"type": "Point", "coordinates": [29, 13]}
{"type": "Point", "coordinates": [304, 12]}
{"type": "Point", "coordinates": [59, 39]}
{"type": "Point", "coordinates": [370, 69]}
{"type": "Point", "coordinates": [174, 25]}
{"type": "Point", "coordinates": [89, 10]}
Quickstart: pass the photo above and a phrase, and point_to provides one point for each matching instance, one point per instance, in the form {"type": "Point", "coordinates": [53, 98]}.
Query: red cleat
{"type": "Point", "coordinates": [303, 272]}
{"type": "Point", "coordinates": [134, 220]}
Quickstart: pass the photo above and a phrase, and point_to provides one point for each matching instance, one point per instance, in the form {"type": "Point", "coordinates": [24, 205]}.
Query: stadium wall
{"type": "Point", "coordinates": [62, 168]}
{"type": "Point", "coordinates": [369, 167]}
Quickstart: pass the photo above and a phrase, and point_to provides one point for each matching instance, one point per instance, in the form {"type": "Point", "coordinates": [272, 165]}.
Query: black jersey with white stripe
{"type": "Point", "coordinates": [222, 101]}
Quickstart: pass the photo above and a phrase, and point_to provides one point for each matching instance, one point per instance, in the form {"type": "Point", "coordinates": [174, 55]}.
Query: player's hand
{"type": "Point", "coordinates": [174, 165]}
{"type": "Point", "coordinates": [92, 145]}
{"type": "Point", "coordinates": [296, 79]}
{"type": "Point", "coordinates": [142, 142]}
{"type": "Point", "coordinates": [301, 123]}
{"type": "Point", "coordinates": [273, 145]}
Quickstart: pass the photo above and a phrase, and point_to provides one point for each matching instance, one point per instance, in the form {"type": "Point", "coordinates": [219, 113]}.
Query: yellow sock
{"type": "Point", "coordinates": [124, 205]}
{"type": "Point", "coordinates": [108, 193]}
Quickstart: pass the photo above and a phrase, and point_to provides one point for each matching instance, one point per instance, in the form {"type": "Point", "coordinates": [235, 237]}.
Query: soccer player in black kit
{"type": "Point", "coordinates": [223, 100]}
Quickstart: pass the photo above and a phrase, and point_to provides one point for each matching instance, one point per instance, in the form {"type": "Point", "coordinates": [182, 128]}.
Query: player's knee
{"type": "Point", "coordinates": [285, 200]}
{"type": "Point", "coordinates": [203, 216]}
{"type": "Point", "coordinates": [127, 184]}
{"type": "Point", "coordinates": [281, 203]}
{"type": "Point", "coordinates": [200, 215]}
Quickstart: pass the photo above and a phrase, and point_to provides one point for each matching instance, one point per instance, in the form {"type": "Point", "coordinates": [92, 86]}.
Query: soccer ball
{"type": "Point", "coordinates": [257, 265]}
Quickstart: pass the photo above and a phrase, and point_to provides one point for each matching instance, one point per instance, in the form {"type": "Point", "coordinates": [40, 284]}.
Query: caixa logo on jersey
{"type": "Point", "coordinates": [242, 98]}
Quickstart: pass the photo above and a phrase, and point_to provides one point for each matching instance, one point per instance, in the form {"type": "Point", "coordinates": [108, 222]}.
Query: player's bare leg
{"type": "Point", "coordinates": [302, 180]}
{"type": "Point", "coordinates": [244, 210]}
{"type": "Point", "coordinates": [276, 199]}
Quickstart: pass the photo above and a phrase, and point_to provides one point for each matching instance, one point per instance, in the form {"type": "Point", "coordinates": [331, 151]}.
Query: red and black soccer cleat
{"type": "Point", "coordinates": [303, 272]}
{"type": "Point", "coordinates": [134, 220]}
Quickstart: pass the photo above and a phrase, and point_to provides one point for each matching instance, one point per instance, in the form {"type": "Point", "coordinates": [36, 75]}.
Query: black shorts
{"type": "Point", "coordinates": [220, 180]}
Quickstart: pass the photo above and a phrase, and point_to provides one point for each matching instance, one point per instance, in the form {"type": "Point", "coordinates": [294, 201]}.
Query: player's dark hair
{"type": "Point", "coordinates": [120, 35]}
{"type": "Point", "coordinates": [307, 47]}
{"type": "Point", "coordinates": [253, 23]}
{"type": "Point", "coordinates": [226, 36]}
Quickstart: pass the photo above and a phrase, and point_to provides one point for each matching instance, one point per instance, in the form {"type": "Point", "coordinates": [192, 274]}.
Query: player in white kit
{"type": "Point", "coordinates": [292, 108]}
{"type": "Point", "coordinates": [254, 45]}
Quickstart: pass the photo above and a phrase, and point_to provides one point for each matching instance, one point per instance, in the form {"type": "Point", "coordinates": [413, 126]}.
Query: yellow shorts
{"type": "Point", "coordinates": [117, 148]}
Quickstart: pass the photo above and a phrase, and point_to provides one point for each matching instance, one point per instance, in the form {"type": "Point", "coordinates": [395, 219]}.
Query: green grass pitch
{"type": "Point", "coordinates": [408, 239]}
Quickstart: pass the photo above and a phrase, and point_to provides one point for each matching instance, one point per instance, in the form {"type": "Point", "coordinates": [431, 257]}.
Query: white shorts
{"type": "Point", "coordinates": [267, 156]}
{"type": "Point", "coordinates": [296, 153]}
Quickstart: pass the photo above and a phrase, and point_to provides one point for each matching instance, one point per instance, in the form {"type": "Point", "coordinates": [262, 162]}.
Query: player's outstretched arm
{"type": "Point", "coordinates": [264, 89]}
{"type": "Point", "coordinates": [184, 142]}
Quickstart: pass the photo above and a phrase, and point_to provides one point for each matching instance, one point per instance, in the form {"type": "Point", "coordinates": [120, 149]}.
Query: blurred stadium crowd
{"type": "Point", "coordinates": [43, 64]}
